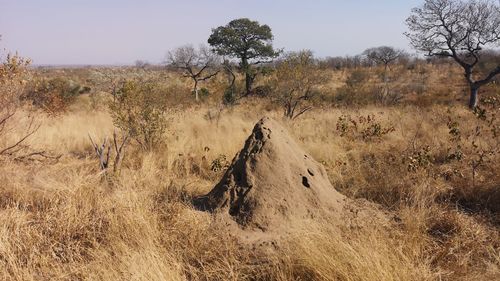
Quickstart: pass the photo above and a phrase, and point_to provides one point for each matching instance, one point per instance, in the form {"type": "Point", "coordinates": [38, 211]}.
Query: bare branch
{"type": "Point", "coordinates": [195, 63]}
{"type": "Point", "coordinates": [29, 132]}
{"type": "Point", "coordinates": [460, 30]}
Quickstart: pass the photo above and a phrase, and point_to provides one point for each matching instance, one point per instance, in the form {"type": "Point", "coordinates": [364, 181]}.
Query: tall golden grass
{"type": "Point", "coordinates": [62, 221]}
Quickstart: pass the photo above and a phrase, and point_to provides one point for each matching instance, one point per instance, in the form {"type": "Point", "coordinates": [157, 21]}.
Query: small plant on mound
{"type": "Point", "coordinates": [455, 153]}
{"type": "Point", "coordinates": [419, 159]}
{"type": "Point", "coordinates": [140, 110]}
{"type": "Point", "coordinates": [362, 127]}
{"type": "Point", "coordinates": [219, 164]}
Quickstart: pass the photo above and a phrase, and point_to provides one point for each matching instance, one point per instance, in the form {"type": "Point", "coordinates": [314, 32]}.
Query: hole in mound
{"type": "Point", "coordinates": [259, 135]}
{"type": "Point", "coordinates": [305, 182]}
{"type": "Point", "coordinates": [310, 172]}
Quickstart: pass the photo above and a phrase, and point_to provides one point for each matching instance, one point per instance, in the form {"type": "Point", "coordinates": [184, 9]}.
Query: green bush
{"type": "Point", "coordinates": [140, 110]}
{"type": "Point", "coordinates": [203, 93]}
{"type": "Point", "coordinates": [229, 97]}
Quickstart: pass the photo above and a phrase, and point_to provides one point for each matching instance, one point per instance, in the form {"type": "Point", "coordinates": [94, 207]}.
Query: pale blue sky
{"type": "Point", "coordinates": [122, 31]}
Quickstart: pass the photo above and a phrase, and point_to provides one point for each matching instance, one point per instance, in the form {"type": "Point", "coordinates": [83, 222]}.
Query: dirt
{"type": "Point", "coordinates": [271, 183]}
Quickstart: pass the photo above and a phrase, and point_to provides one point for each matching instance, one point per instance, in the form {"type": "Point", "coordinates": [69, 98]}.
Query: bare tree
{"type": "Point", "coordinates": [385, 56]}
{"type": "Point", "coordinates": [459, 30]}
{"type": "Point", "coordinates": [296, 77]}
{"type": "Point", "coordinates": [142, 64]}
{"type": "Point", "coordinates": [198, 64]}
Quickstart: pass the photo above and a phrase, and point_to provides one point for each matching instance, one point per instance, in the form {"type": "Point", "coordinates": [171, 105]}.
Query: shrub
{"type": "Point", "coordinates": [229, 97]}
{"type": "Point", "coordinates": [262, 91]}
{"type": "Point", "coordinates": [297, 78]}
{"type": "Point", "coordinates": [13, 78]}
{"type": "Point", "coordinates": [476, 145]}
{"type": "Point", "coordinates": [418, 159]}
{"type": "Point", "coordinates": [219, 164]}
{"type": "Point", "coordinates": [356, 90]}
{"type": "Point", "coordinates": [362, 127]}
{"type": "Point", "coordinates": [139, 109]}
{"type": "Point", "coordinates": [357, 77]}
{"type": "Point", "coordinates": [54, 95]}
{"type": "Point", "coordinates": [203, 92]}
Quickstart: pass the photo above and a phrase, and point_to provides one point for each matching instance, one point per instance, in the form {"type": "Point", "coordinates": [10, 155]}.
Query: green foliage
{"type": "Point", "coordinates": [203, 92]}
{"type": "Point", "coordinates": [229, 97]}
{"type": "Point", "coordinates": [246, 40]}
{"type": "Point", "coordinates": [476, 145]}
{"type": "Point", "coordinates": [455, 133]}
{"type": "Point", "coordinates": [420, 159]}
{"type": "Point", "coordinates": [139, 109]}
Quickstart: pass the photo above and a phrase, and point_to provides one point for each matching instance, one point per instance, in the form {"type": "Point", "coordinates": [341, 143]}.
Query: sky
{"type": "Point", "coordinates": [116, 32]}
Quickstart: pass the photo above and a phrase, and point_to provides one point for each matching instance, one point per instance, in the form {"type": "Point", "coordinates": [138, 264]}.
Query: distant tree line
{"type": "Point", "coordinates": [444, 31]}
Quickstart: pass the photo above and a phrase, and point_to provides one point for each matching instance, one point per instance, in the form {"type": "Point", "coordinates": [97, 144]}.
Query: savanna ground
{"type": "Point", "coordinates": [430, 163]}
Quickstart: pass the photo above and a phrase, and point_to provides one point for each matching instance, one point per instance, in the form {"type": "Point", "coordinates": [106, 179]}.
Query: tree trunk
{"type": "Point", "coordinates": [248, 83]}
{"type": "Point", "coordinates": [385, 91]}
{"type": "Point", "coordinates": [195, 90]}
{"type": "Point", "coordinates": [248, 76]}
{"type": "Point", "coordinates": [473, 97]}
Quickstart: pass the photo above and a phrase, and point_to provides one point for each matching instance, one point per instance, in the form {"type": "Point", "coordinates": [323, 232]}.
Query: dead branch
{"type": "Point", "coordinates": [101, 153]}
{"type": "Point", "coordinates": [119, 150]}
{"type": "Point", "coordinates": [42, 154]}
{"type": "Point", "coordinates": [104, 151]}
{"type": "Point", "coordinates": [32, 128]}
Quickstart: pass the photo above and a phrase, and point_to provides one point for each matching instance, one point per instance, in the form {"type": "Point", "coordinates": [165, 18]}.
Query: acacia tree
{"type": "Point", "coordinates": [459, 30]}
{"type": "Point", "coordinates": [198, 64]}
{"type": "Point", "coordinates": [384, 55]}
{"type": "Point", "coordinates": [295, 79]}
{"type": "Point", "coordinates": [248, 41]}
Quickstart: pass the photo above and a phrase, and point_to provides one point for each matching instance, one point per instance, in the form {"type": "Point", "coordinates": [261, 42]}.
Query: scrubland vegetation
{"type": "Point", "coordinates": [117, 205]}
{"type": "Point", "coordinates": [432, 166]}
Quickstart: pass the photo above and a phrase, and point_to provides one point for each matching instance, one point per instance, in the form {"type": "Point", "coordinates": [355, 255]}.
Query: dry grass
{"type": "Point", "coordinates": [63, 221]}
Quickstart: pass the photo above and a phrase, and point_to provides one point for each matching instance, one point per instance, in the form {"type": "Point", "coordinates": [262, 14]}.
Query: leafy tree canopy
{"type": "Point", "coordinates": [244, 39]}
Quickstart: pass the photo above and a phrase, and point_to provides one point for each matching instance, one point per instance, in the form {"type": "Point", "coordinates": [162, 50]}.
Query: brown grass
{"type": "Point", "coordinates": [63, 221]}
